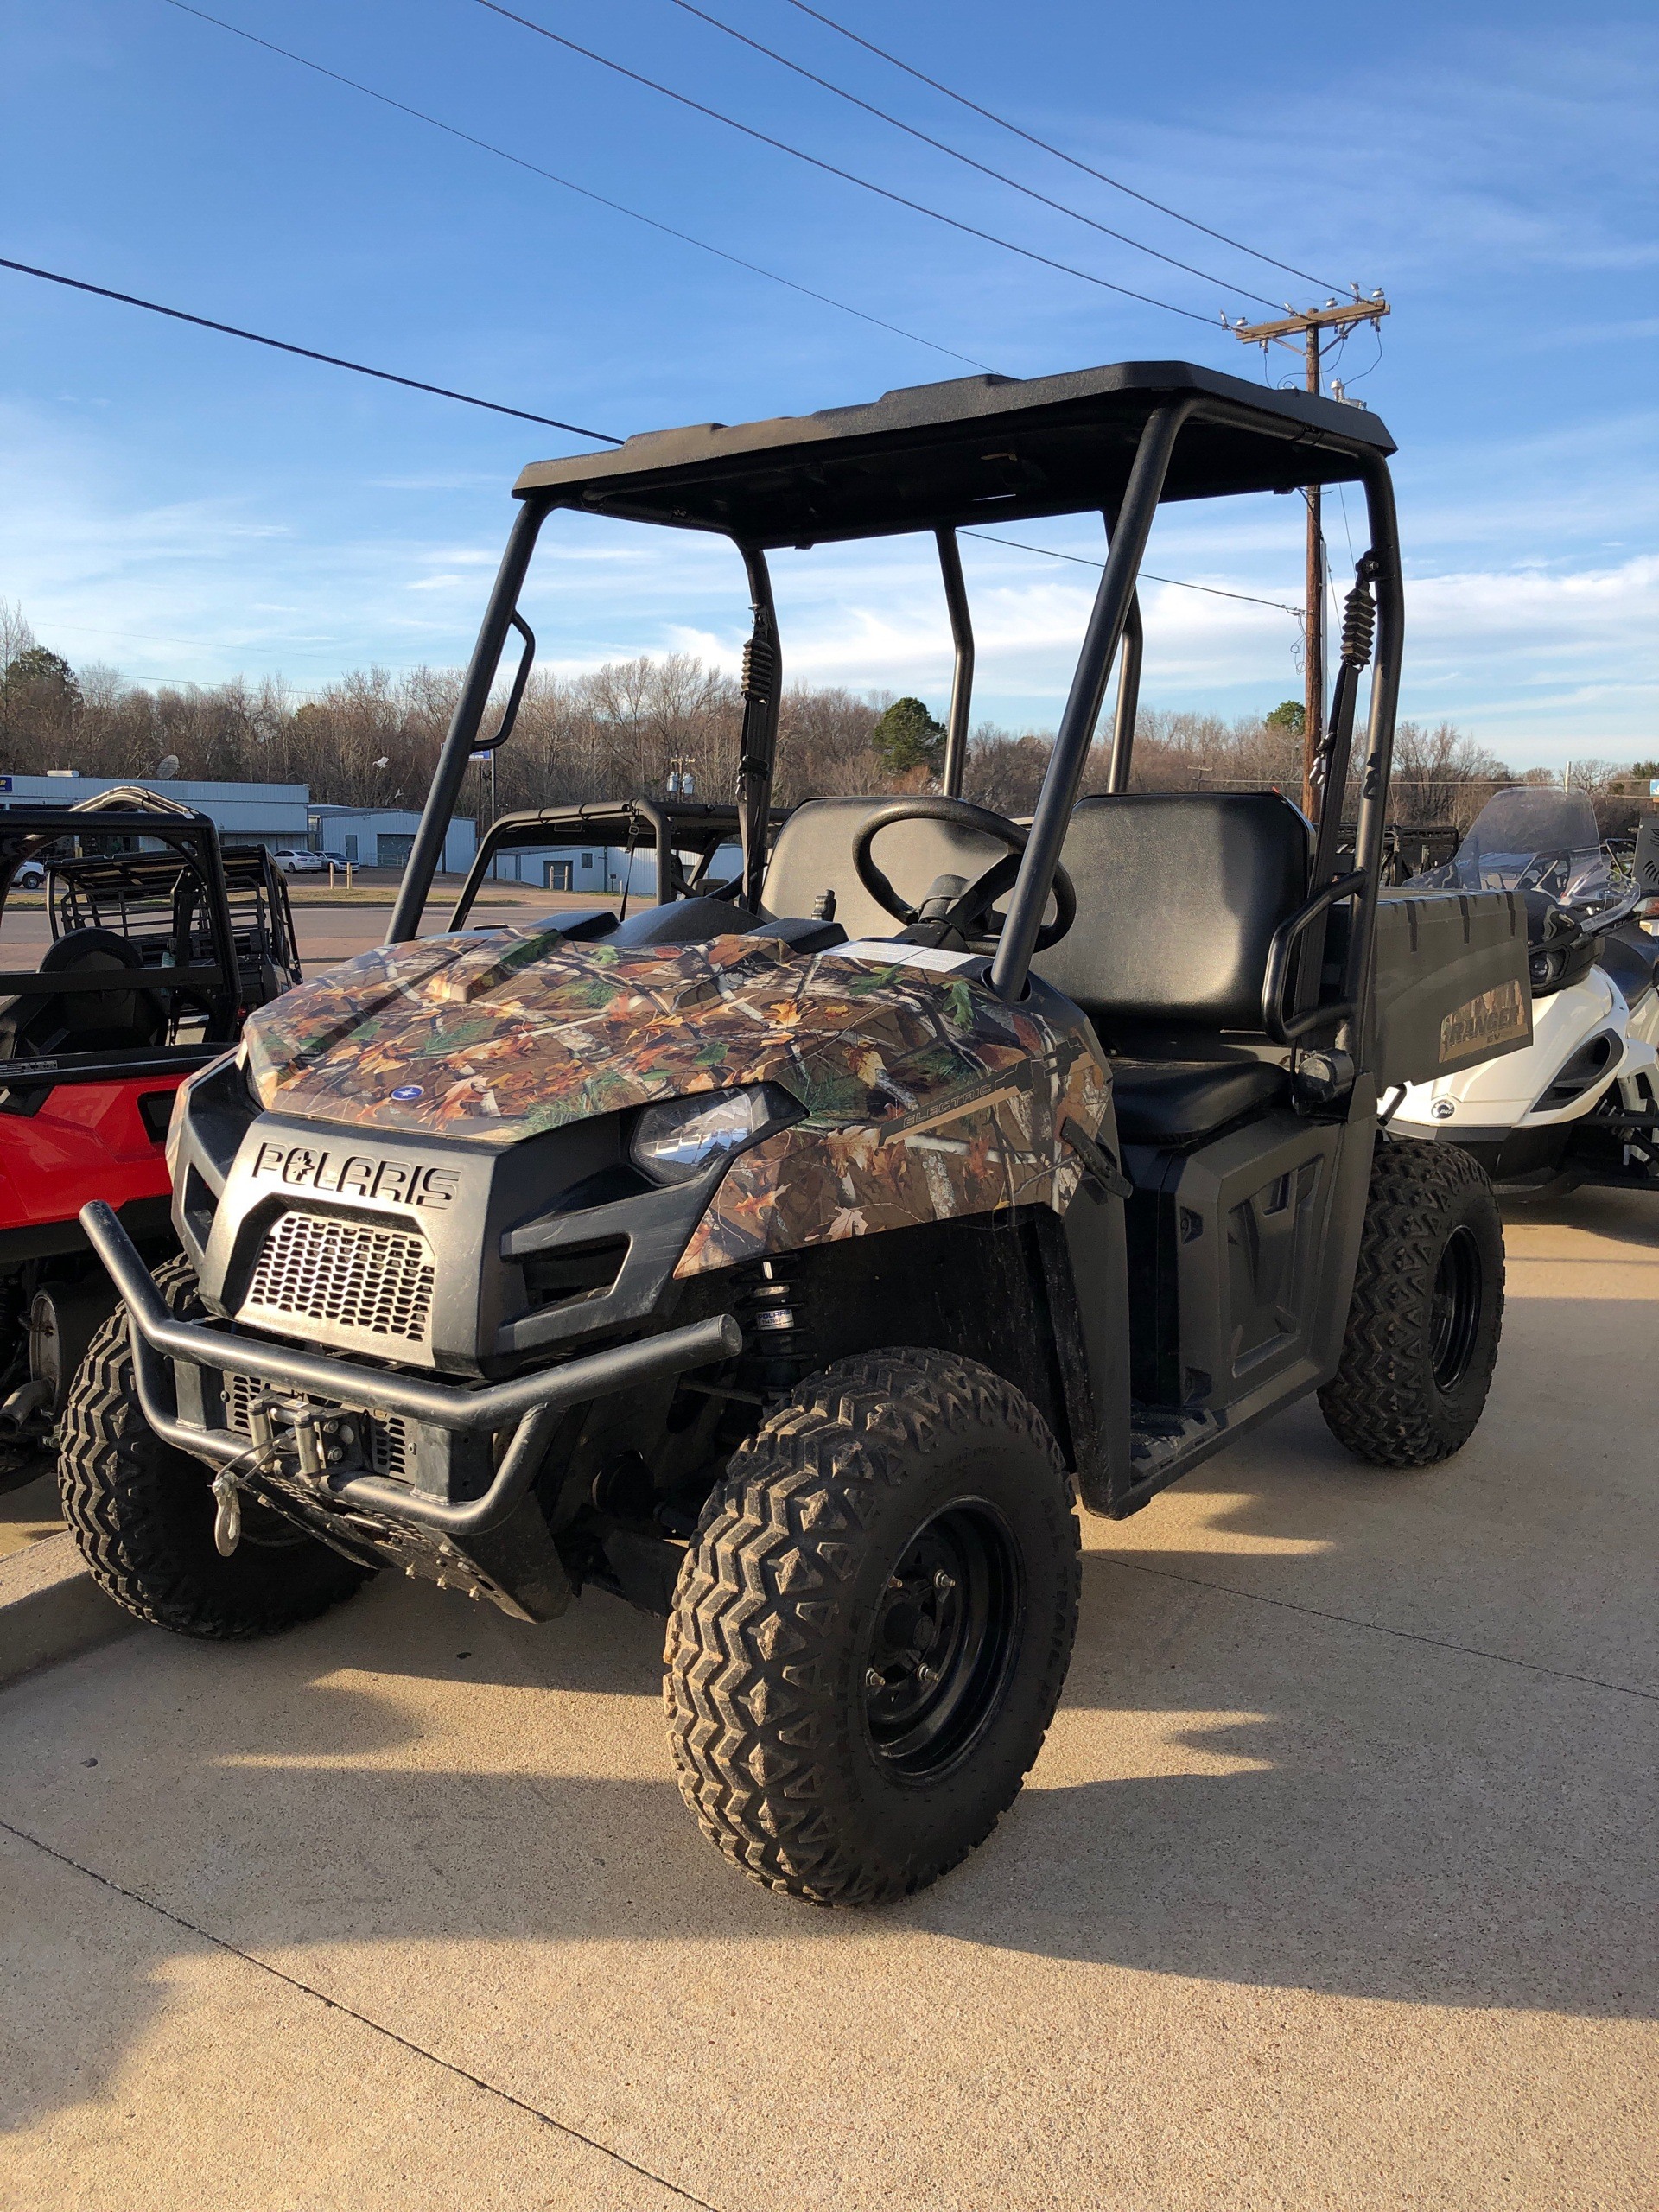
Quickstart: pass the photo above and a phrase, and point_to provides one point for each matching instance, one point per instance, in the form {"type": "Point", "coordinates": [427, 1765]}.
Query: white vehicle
{"type": "Point", "coordinates": [30, 876]}
{"type": "Point", "coordinates": [1581, 1103]}
{"type": "Point", "coordinates": [299, 861]}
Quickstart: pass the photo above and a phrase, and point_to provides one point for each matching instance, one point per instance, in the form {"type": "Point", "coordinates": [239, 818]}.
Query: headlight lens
{"type": "Point", "coordinates": [680, 1139]}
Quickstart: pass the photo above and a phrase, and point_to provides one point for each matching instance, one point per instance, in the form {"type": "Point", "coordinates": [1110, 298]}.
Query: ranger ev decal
{"type": "Point", "coordinates": [1495, 1017]}
{"type": "Point", "coordinates": [356, 1175]}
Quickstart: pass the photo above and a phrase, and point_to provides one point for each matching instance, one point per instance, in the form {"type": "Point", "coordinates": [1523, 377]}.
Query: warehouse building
{"type": "Point", "coordinates": [610, 871]}
{"type": "Point", "coordinates": [381, 836]}
{"type": "Point", "coordinates": [280, 816]}
{"type": "Point", "coordinates": [247, 814]}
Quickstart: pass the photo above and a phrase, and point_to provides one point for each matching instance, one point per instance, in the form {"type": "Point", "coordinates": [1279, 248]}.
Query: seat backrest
{"type": "Point", "coordinates": [1179, 895]}
{"type": "Point", "coordinates": [814, 854]}
{"type": "Point", "coordinates": [114, 1020]}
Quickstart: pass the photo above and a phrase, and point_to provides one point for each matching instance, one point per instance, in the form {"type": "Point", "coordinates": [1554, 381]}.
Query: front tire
{"type": "Point", "coordinates": [1427, 1308]}
{"type": "Point", "coordinates": [141, 1512]}
{"type": "Point", "coordinates": [872, 1628]}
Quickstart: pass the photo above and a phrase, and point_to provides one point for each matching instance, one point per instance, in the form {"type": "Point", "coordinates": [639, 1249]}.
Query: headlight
{"type": "Point", "coordinates": [678, 1140]}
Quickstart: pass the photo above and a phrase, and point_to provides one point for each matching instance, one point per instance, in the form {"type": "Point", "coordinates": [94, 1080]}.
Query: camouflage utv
{"type": "Point", "coordinates": [788, 1261]}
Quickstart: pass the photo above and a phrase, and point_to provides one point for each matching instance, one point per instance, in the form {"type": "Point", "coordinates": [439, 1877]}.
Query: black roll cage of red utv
{"type": "Point", "coordinates": [938, 458]}
{"type": "Point", "coordinates": [124, 817]}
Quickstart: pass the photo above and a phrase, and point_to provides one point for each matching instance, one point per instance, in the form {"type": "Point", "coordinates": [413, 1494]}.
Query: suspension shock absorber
{"type": "Point", "coordinates": [770, 1311]}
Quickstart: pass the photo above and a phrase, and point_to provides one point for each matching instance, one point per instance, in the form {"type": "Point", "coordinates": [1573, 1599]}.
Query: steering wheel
{"type": "Point", "coordinates": [970, 914]}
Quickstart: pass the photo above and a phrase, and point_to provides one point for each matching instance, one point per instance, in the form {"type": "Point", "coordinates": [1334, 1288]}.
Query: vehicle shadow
{"type": "Point", "coordinates": [1243, 1784]}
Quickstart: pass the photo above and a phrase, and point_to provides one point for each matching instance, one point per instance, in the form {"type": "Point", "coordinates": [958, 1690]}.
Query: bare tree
{"type": "Point", "coordinates": [1442, 775]}
{"type": "Point", "coordinates": [610, 733]}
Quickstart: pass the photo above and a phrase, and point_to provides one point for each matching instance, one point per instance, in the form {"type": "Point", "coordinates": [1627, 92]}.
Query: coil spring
{"type": "Point", "coordinates": [759, 667]}
{"type": "Point", "coordinates": [1358, 625]}
{"type": "Point", "coordinates": [1359, 615]}
{"type": "Point", "coordinates": [770, 1310]}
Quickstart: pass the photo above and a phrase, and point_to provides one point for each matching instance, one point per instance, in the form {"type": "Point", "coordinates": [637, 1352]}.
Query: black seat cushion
{"type": "Point", "coordinates": [813, 855]}
{"type": "Point", "coordinates": [1179, 895]}
{"type": "Point", "coordinates": [1174, 1103]}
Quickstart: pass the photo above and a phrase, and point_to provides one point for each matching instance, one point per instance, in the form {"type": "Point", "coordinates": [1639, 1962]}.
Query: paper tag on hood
{"type": "Point", "coordinates": [904, 956]}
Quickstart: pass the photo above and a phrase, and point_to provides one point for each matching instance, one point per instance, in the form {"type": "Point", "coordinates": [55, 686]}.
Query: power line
{"type": "Point", "coordinates": [306, 352]}
{"type": "Point", "coordinates": [968, 160]}
{"type": "Point", "coordinates": [1059, 154]}
{"type": "Point", "coordinates": [1180, 582]}
{"type": "Point", "coordinates": [829, 169]}
{"type": "Point", "coordinates": [136, 636]}
{"type": "Point", "coordinates": [616, 206]}
{"type": "Point", "coordinates": [195, 644]}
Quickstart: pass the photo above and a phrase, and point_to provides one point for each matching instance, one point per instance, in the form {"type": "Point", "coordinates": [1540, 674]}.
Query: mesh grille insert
{"type": "Point", "coordinates": [317, 1267]}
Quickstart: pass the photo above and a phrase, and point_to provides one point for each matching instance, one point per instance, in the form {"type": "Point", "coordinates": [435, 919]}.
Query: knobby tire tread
{"type": "Point", "coordinates": [745, 1686]}
{"type": "Point", "coordinates": [1375, 1405]}
{"type": "Point", "coordinates": [113, 1478]}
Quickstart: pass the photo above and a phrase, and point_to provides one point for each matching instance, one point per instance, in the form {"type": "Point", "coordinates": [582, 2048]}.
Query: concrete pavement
{"type": "Point", "coordinates": [1333, 1887]}
{"type": "Point", "coordinates": [28, 1514]}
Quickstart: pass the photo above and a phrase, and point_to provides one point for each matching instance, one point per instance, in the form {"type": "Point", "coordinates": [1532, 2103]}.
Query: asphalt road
{"type": "Point", "coordinates": [327, 934]}
{"type": "Point", "coordinates": [1334, 1886]}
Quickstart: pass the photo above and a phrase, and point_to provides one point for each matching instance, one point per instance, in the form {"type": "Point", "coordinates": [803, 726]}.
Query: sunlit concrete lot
{"type": "Point", "coordinates": [1333, 1887]}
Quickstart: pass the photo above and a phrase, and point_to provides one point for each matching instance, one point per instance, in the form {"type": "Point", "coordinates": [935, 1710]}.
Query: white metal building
{"type": "Point", "coordinates": [380, 836]}
{"type": "Point", "coordinates": [247, 814]}
{"type": "Point", "coordinates": [607, 870]}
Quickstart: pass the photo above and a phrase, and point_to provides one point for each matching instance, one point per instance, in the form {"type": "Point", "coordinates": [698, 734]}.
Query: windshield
{"type": "Point", "coordinates": [1533, 838]}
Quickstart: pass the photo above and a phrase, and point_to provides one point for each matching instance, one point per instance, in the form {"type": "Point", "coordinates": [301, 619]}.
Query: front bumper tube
{"type": "Point", "coordinates": [531, 1404]}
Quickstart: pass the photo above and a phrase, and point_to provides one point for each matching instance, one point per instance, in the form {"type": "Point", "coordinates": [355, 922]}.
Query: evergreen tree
{"type": "Point", "coordinates": [907, 737]}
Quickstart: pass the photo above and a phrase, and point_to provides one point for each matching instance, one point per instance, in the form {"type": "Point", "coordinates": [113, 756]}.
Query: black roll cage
{"type": "Point", "coordinates": [667, 828]}
{"type": "Point", "coordinates": [1310, 439]}
{"type": "Point", "coordinates": [129, 813]}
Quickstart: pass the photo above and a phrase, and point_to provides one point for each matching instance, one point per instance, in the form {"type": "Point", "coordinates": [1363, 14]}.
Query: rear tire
{"type": "Point", "coordinates": [141, 1513]}
{"type": "Point", "coordinates": [872, 1628]}
{"type": "Point", "coordinates": [1427, 1308]}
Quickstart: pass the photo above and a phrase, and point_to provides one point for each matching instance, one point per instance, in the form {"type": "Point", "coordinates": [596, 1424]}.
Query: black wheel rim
{"type": "Point", "coordinates": [1454, 1311]}
{"type": "Point", "coordinates": [944, 1642]}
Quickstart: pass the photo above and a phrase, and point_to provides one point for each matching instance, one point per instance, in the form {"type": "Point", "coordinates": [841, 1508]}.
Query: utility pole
{"type": "Point", "coordinates": [1335, 315]}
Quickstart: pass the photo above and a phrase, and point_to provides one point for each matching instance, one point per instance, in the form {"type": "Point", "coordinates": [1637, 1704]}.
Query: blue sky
{"type": "Point", "coordinates": [186, 506]}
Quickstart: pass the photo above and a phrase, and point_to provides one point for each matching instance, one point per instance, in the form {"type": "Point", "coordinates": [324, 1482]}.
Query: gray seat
{"type": "Point", "coordinates": [1179, 896]}
{"type": "Point", "coordinates": [813, 855]}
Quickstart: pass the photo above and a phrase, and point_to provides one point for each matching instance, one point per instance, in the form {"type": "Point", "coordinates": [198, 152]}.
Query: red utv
{"type": "Point", "coordinates": [158, 945]}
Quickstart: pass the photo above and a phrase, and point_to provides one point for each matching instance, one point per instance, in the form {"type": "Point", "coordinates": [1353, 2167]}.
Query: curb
{"type": "Point", "coordinates": [51, 1609]}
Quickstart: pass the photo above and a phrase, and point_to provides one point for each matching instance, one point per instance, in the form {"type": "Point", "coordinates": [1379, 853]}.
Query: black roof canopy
{"type": "Point", "coordinates": [976, 449]}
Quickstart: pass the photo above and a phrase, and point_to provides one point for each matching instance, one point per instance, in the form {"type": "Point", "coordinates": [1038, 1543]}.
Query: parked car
{"type": "Point", "coordinates": [298, 862]}
{"type": "Point", "coordinates": [31, 876]}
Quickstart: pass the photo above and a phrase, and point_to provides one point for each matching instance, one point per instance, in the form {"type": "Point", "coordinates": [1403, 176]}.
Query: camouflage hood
{"type": "Point", "coordinates": [494, 1038]}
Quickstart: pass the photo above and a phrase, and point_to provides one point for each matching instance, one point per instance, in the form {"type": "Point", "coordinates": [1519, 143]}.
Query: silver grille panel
{"type": "Point", "coordinates": [344, 1275]}
{"type": "Point", "coordinates": [388, 1440]}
